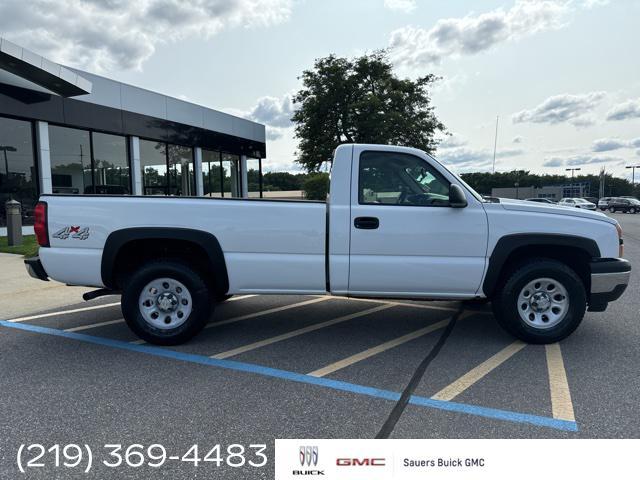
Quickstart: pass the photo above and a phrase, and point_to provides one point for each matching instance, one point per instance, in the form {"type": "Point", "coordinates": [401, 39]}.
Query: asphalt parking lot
{"type": "Point", "coordinates": [312, 367]}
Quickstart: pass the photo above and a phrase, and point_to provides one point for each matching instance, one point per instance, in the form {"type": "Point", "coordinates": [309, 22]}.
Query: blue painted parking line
{"type": "Point", "coordinates": [504, 415]}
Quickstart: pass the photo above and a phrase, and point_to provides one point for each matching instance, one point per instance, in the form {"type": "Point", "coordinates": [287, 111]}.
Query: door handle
{"type": "Point", "coordinates": [366, 223]}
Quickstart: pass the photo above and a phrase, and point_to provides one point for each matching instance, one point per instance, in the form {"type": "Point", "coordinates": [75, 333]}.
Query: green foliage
{"type": "Point", "coordinates": [28, 248]}
{"type": "Point", "coordinates": [483, 182]}
{"type": "Point", "coordinates": [316, 186]}
{"type": "Point", "coordinates": [278, 181]}
{"type": "Point", "coordinates": [361, 100]}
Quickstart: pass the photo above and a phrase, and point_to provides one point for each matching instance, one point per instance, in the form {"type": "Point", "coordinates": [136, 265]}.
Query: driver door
{"type": "Point", "coordinates": [405, 238]}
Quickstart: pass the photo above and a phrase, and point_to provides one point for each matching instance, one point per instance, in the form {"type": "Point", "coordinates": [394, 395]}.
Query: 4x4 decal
{"type": "Point", "coordinates": [73, 232]}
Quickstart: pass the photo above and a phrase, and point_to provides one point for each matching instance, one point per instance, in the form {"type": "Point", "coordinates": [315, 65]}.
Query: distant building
{"type": "Point", "coordinates": [552, 192]}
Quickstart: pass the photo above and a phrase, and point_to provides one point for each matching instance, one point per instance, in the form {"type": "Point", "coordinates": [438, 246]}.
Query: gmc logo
{"type": "Point", "coordinates": [361, 462]}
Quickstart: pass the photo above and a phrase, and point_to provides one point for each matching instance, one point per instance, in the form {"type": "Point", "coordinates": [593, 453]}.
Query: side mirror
{"type": "Point", "coordinates": [457, 198]}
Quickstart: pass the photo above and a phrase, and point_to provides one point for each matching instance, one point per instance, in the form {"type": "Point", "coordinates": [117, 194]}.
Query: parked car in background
{"type": "Point", "coordinates": [626, 205]}
{"type": "Point", "coordinates": [603, 203]}
{"type": "Point", "coordinates": [593, 200]}
{"type": "Point", "coordinates": [577, 203]}
{"type": "Point", "coordinates": [540, 200]}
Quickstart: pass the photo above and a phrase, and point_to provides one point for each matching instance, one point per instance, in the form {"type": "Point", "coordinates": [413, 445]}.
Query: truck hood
{"type": "Point", "coordinates": [524, 206]}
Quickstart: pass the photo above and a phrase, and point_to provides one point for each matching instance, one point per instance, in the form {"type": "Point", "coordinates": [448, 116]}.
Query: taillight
{"type": "Point", "coordinates": [620, 241]}
{"type": "Point", "coordinates": [40, 227]}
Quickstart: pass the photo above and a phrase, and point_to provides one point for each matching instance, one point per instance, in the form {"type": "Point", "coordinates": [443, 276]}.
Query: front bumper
{"type": "Point", "coordinates": [35, 269]}
{"type": "Point", "coordinates": [609, 280]}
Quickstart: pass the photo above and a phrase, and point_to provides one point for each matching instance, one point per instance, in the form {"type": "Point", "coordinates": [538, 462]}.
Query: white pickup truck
{"type": "Point", "coordinates": [397, 224]}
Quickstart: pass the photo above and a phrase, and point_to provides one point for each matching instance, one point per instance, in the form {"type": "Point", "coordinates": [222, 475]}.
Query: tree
{"type": "Point", "coordinates": [483, 182]}
{"type": "Point", "coordinates": [361, 100]}
{"type": "Point", "coordinates": [316, 186]}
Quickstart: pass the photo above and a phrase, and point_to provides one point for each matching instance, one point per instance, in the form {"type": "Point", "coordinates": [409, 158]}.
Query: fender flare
{"type": "Point", "coordinates": [510, 243]}
{"type": "Point", "coordinates": [205, 240]}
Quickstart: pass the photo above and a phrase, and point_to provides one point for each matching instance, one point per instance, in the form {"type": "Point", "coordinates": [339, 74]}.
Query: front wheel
{"type": "Point", "coordinates": [542, 301]}
{"type": "Point", "coordinates": [632, 210]}
{"type": "Point", "coordinates": [612, 210]}
{"type": "Point", "coordinates": [166, 302]}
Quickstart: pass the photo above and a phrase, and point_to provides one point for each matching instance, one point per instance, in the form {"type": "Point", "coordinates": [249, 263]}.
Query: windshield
{"type": "Point", "coordinates": [457, 177]}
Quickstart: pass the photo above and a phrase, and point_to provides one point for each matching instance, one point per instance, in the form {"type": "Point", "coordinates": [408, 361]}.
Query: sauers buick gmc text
{"type": "Point", "coordinates": [397, 224]}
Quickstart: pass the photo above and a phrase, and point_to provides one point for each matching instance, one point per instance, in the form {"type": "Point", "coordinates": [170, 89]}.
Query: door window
{"type": "Point", "coordinates": [392, 178]}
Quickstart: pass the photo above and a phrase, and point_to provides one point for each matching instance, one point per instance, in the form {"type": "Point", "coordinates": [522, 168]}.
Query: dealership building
{"type": "Point", "coordinates": [63, 130]}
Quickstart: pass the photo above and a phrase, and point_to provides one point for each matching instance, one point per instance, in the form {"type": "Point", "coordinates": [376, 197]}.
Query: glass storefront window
{"type": "Point", "coordinates": [231, 175]}
{"type": "Point", "coordinates": [153, 163]}
{"type": "Point", "coordinates": [211, 173]}
{"type": "Point", "coordinates": [111, 164]}
{"type": "Point", "coordinates": [253, 178]}
{"type": "Point", "coordinates": [181, 169]}
{"type": "Point", "coordinates": [167, 169]}
{"type": "Point", "coordinates": [18, 179]}
{"type": "Point", "coordinates": [70, 151]}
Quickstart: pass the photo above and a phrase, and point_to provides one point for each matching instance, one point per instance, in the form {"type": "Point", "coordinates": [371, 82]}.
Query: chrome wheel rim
{"type": "Point", "coordinates": [165, 303]}
{"type": "Point", "coordinates": [543, 303]}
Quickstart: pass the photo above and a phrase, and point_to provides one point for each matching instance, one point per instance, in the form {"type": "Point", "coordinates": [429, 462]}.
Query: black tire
{"type": "Point", "coordinates": [632, 210]}
{"type": "Point", "coordinates": [201, 304]}
{"type": "Point", "coordinates": [505, 301]}
{"type": "Point", "coordinates": [612, 210]}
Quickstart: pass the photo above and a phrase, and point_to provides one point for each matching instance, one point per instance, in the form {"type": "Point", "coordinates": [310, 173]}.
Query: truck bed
{"type": "Point", "coordinates": [265, 242]}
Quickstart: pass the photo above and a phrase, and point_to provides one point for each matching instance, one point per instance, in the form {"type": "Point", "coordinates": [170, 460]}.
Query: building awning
{"type": "Point", "coordinates": [39, 71]}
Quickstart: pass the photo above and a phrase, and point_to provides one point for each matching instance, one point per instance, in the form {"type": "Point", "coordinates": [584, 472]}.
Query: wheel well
{"type": "Point", "coordinates": [126, 249]}
{"type": "Point", "coordinates": [575, 258]}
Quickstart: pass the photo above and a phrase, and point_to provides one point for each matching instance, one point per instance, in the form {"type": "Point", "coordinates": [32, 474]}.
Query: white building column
{"type": "Point", "coordinates": [244, 183]}
{"type": "Point", "coordinates": [44, 157]}
{"type": "Point", "coordinates": [197, 169]}
{"type": "Point", "coordinates": [136, 172]}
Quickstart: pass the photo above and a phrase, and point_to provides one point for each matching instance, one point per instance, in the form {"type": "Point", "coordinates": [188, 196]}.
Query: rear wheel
{"type": "Point", "coordinates": [541, 301]}
{"type": "Point", "coordinates": [166, 302]}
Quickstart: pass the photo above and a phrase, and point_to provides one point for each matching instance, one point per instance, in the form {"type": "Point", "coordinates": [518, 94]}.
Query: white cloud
{"type": "Point", "coordinates": [579, 160]}
{"type": "Point", "coordinates": [553, 162]}
{"type": "Point", "coordinates": [401, 5]}
{"type": "Point", "coordinates": [465, 158]}
{"type": "Point", "coordinates": [594, 3]}
{"type": "Point", "coordinates": [103, 35]}
{"type": "Point", "coordinates": [609, 144]}
{"type": "Point", "coordinates": [451, 141]}
{"type": "Point", "coordinates": [471, 34]}
{"type": "Point", "coordinates": [275, 113]}
{"type": "Point", "coordinates": [561, 108]}
{"type": "Point", "coordinates": [624, 111]}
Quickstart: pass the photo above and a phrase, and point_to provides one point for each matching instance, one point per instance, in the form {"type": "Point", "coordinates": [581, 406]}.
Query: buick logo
{"type": "Point", "coordinates": [308, 456]}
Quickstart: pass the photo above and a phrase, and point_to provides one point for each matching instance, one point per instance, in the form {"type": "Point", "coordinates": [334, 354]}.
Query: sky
{"type": "Point", "coordinates": [561, 76]}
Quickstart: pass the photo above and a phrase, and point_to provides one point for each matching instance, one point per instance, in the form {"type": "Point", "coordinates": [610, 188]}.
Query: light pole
{"type": "Point", "coordinates": [517, 184]}
{"type": "Point", "coordinates": [573, 170]}
{"type": "Point", "coordinates": [5, 149]}
{"type": "Point", "coordinates": [633, 173]}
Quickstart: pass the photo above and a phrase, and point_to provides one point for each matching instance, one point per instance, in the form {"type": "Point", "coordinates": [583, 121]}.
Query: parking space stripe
{"type": "Point", "coordinates": [383, 347]}
{"type": "Point", "coordinates": [240, 297]}
{"type": "Point", "coordinates": [295, 333]}
{"type": "Point", "coordinates": [485, 412]}
{"type": "Point", "coordinates": [472, 376]}
{"type": "Point", "coordinates": [62, 312]}
{"type": "Point", "coordinates": [94, 325]}
{"type": "Point", "coordinates": [561, 405]}
{"type": "Point", "coordinates": [267, 312]}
